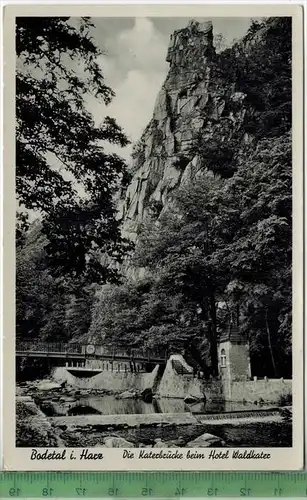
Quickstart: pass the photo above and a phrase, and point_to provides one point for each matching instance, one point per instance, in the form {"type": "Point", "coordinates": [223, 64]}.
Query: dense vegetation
{"type": "Point", "coordinates": [63, 172]}
{"type": "Point", "coordinates": [64, 177]}
{"type": "Point", "coordinates": [222, 250]}
{"type": "Point", "coordinates": [220, 253]}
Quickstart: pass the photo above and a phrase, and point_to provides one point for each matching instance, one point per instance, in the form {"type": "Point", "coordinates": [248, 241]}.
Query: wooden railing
{"type": "Point", "coordinates": [33, 346]}
{"type": "Point", "coordinates": [56, 347]}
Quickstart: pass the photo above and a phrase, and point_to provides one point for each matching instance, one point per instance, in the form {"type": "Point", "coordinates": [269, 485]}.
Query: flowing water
{"type": "Point", "coordinates": [110, 405]}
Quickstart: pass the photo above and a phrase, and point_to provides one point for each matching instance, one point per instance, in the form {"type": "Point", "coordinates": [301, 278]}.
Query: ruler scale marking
{"type": "Point", "coordinates": [153, 484]}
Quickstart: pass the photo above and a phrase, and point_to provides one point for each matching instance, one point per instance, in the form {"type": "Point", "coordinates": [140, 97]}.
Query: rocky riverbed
{"type": "Point", "coordinates": [47, 415]}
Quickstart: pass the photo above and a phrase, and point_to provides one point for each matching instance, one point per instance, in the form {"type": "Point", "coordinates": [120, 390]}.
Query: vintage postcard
{"type": "Point", "coordinates": [153, 237]}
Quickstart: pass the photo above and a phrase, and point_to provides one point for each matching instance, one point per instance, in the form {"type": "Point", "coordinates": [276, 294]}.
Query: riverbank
{"type": "Point", "coordinates": [51, 415]}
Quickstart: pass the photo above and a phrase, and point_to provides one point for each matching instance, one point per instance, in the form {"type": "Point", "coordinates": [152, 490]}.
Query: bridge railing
{"type": "Point", "coordinates": [52, 347]}
{"type": "Point", "coordinates": [99, 350]}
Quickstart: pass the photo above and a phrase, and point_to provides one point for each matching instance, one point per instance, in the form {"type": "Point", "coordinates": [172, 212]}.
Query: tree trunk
{"type": "Point", "coordinates": [212, 337]}
{"type": "Point", "coordinates": [194, 352]}
{"type": "Point", "coordinates": [270, 343]}
{"type": "Point", "coordinates": [238, 315]}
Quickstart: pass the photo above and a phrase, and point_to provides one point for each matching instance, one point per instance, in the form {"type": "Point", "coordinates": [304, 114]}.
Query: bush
{"type": "Point", "coordinates": [285, 400]}
{"type": "Point", "coordinates": [219, 157]}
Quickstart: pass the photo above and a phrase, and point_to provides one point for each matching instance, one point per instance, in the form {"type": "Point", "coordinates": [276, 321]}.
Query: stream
{"type": "Point", "coordinates": [71, 402]}
{"type": "Point", "coordinates": [112, 405]}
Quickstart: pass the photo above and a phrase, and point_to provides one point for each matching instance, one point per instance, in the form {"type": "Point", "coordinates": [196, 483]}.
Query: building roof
{"type": "Point", "coordinates": [232, 334]}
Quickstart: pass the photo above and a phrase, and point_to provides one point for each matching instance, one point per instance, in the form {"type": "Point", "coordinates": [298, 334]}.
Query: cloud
{"type": "Point", "coordinates": [145, 46]}
{"type": "Point", "coordinates": [134, 66]}
{"type": "Point", "coordinates": [135, 69]}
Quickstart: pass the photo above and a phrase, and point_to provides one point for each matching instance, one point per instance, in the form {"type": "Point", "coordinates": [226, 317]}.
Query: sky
{"type": "Point", "coordinates": [134, 66]}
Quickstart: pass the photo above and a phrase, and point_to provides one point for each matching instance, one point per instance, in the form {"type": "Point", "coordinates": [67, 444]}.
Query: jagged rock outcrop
{"type": "Point", "coordinates": [195, 104]}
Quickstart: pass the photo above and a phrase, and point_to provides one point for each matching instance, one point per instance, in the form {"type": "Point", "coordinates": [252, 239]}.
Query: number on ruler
{"type": "Point", "coordinates": [113, 492]}
{"type": "Point", "coordinates": [277, 492]}
{"type": "Point", "coordinates": [147, 492]}
{"type": "Point", "coordinates": [180, 492]}
{"type": "Point", "coordinates": [47, 492]}
{"type": "Point", "coordinates": [14, 492]}
{"type": "Point", "coordinates": [212, 492]}
{"type": "Point", "coordinates": [80, 492]}
{"type": "Point", "coordinates": [245, 492]}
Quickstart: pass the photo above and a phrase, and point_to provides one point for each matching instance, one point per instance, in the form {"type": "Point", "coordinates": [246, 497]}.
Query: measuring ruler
{"type": "Point", "coordinates": [152, 484]}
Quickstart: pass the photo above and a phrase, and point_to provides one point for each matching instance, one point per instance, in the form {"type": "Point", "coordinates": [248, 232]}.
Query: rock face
{"type": "Point", "coordinates": [32, 427]}
{"type": "Point", "coordinates": [195, 103]}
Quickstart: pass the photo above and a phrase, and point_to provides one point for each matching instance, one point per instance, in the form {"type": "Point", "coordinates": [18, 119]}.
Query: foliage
{"type": "Point", "coordinates": [219, 157]}
{"type": "Point", "coordinates": [224, 241]}
{"type": "Point", "coordinates": [285, 400]}
{"type": "Point", "coordinates": [181, 162]}
{"type": "Point", "coordinates": [219, 42]}
{"type": "Point", "coordinates": [260, 65]}
{"type": "Point", "coordinates": [265, 76]}
{"type": "Point", "coordinates": [255, 26]}
{"type": "Point", "coordinates": [63, 171]}
{"type": "Point", "coordinates": [261, 254]}
{"type": "Point", "coordinates": [47, 306]}
{"type": "Point", "coordinates": [142, 313]}
{"type": "Point", "coordinates": [219, 251]}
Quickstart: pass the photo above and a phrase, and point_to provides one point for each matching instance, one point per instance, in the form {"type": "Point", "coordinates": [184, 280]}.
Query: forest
{"type": "Point", "coordinates": [220, 254]}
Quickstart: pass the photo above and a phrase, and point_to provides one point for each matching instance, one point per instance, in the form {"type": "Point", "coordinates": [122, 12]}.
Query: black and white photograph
{"type": "Point", "coordinates": [154, 236]}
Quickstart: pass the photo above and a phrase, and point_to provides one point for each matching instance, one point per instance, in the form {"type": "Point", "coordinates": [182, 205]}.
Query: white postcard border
{"type": "Point", "coordinates": [281, 458]}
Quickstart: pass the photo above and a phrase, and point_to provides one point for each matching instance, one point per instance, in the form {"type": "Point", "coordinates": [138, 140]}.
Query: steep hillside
{"type": "Point", "coordinates": [209, 106]}
{"type": "Point", "coordinates": [196, 104]}
{"type": "Point", "coordinates": [209, 204]}
{"type": "Point", "coordinates": [210, 211]}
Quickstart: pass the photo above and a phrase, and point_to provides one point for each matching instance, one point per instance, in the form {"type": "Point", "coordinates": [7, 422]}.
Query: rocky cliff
{"type": "Point", "coordinates": [196, 105]}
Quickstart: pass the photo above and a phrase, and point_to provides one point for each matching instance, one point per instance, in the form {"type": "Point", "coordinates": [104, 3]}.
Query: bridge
{"type": "Point", "coordinates": [31, 348]}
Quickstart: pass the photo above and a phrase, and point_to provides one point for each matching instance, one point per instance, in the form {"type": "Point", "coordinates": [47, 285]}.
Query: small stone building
{"type": "Point", "coordinates": [233, 355]}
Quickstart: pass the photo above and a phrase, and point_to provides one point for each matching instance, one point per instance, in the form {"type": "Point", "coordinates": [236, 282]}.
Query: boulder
{"type": "Point", "coordinates": [178, 442]}
{"type": "Point", "coordinates": [68, 399]}
{"type": "Point", "coordinates": [70, 429]}
{"type": "Point", "coordinates": [127, 395]}
{"type": "Point", "coordinates": [36, 432]}
{"type": "Point", "coordinates": [206, 441]}
{"type": "Point", "coordinates": [26, 407]}
{"type": "Point", "coordinates": [191, 399]}
{"type": "Point", "coordinates": [171, 444]}
{"type": "Point", "coordinates": [147, 395]}
{"type": "Point", "coordinates": [19, 391]}
{"type": "Point", "coordinates": [117, 442]}
{"type": "Point", "coordinates": [48, 386]}
{"type": "Point", "coordinates": [24, 399]}
{"type": "Point", "coordinates": [159, 444]}
{"type": "Point", "coordinates": [48, 408]}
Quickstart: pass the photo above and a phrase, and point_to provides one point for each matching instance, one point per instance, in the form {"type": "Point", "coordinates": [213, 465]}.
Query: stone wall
{"type": "Point", "coordinates": [176, 385]}
{"type": "Point", "coordinates": [108, 380]}
{"type": "Point", "coordinates": [269, 390]}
